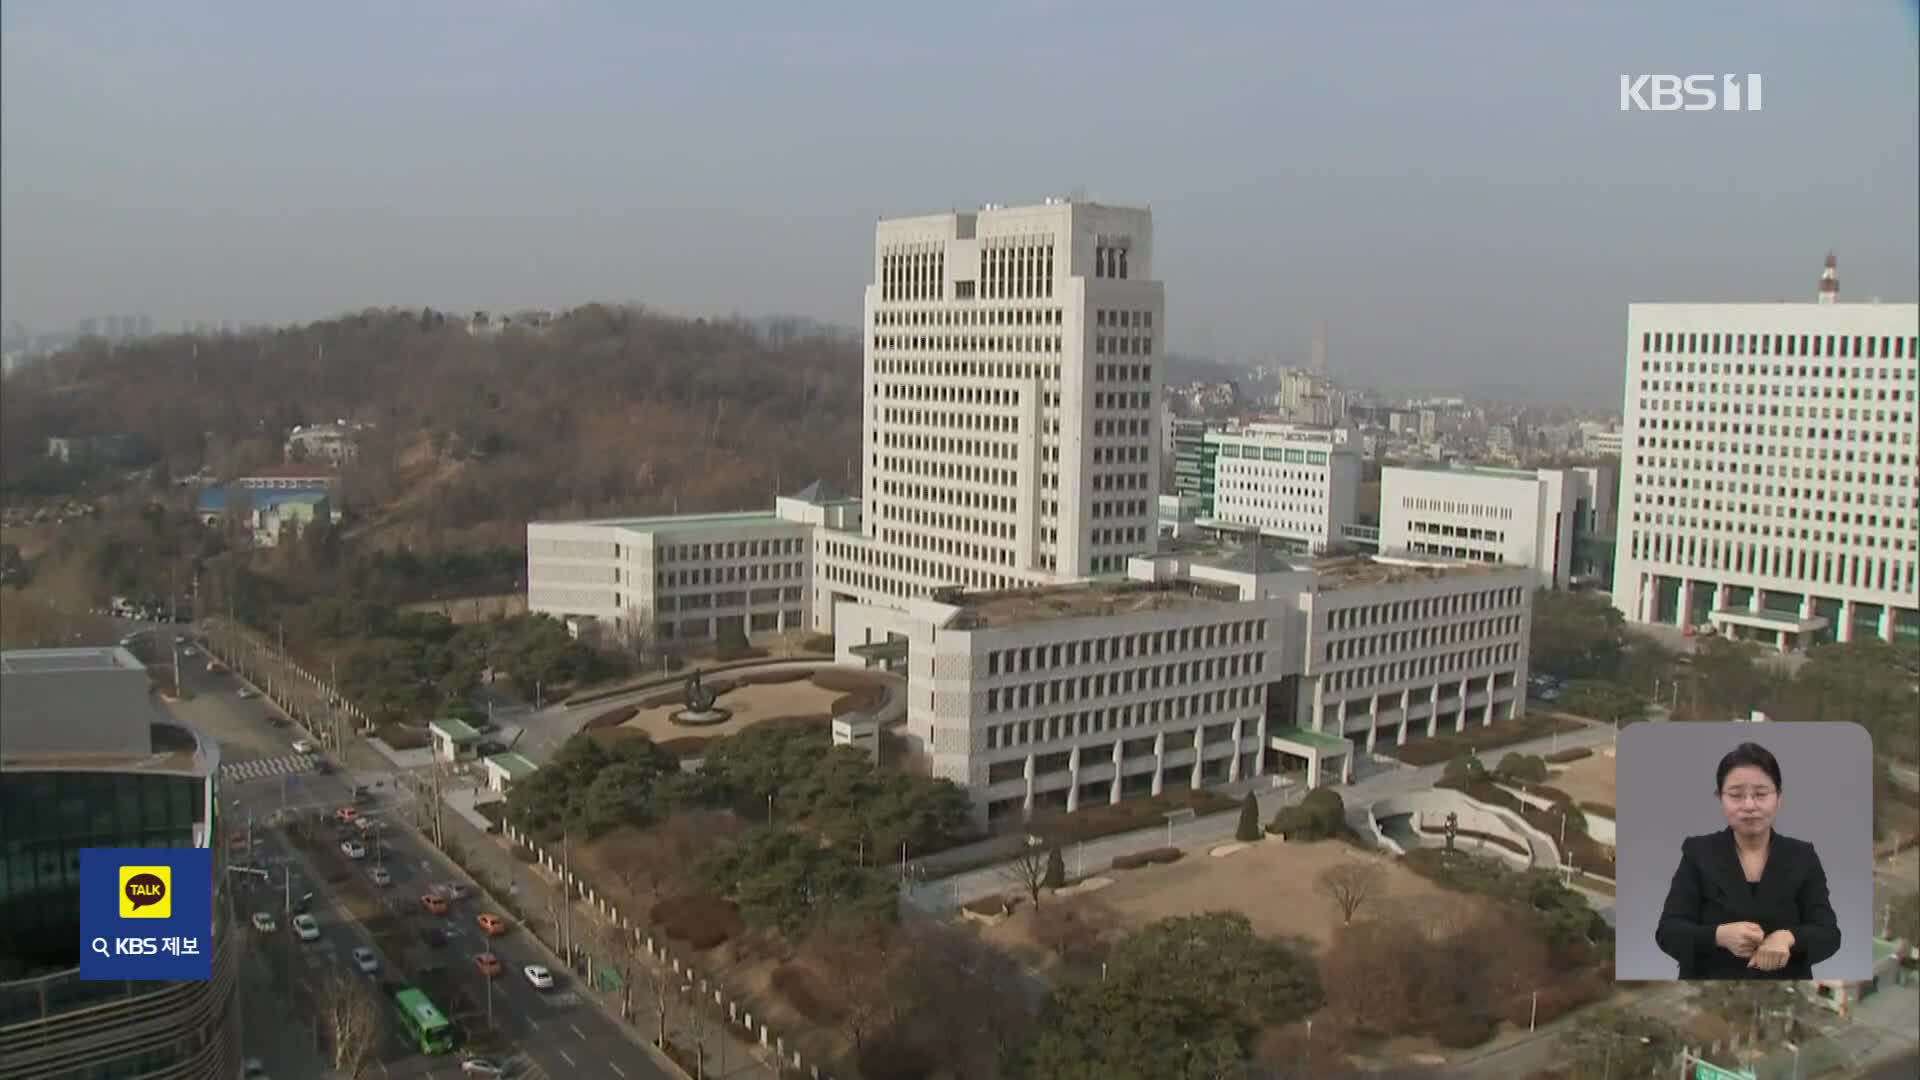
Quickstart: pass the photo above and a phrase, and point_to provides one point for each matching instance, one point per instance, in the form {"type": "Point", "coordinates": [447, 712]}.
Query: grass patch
{"type": "Point", "coordinates": [612, 718]}
{"type": "Point", "coordinates": [699, 920]}
{"type": "Point", "coordinates": [844, 681]}
{"type": "Point", "coordinates": [1474, 740]}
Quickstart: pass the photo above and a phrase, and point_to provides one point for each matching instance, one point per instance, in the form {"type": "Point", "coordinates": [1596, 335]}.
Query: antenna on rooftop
{"type": "Point", "coordinates": [1078, 194]}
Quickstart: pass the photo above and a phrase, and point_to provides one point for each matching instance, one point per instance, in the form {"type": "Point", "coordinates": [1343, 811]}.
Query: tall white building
{"type": "Point", "coordinates": [1294, 483]}
{"type": "Point", "coordinates": [1768, 475]}
{"type": "Point", "coordinates": [1518, 517]}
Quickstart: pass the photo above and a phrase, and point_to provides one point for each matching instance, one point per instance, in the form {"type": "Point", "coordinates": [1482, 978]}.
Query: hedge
{"type": "Point", "coordinates": [1555, 1001]}
{"type": "Point", "coordinates": [860, 701]}
{"type": "Point", "coordinates": [1562, 757]}
{"type": "Point", "coordinates": [686, 746]}
{"type": "Point", "coordinates": [1463, 1031]}
{"type": "Point", "coordinates": [1151, 856]}
{"type": "Point", "coordinates": [699, 920]}
{"type": "Point", "coordinates": [612, 718]}
{"type": "Point", "coordinates": [844, 681]}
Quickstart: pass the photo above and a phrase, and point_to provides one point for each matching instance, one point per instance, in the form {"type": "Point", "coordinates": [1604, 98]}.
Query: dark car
{"type": "Point", "coordinates": [490, 747]}
{"type": "Point", "coordinates": [434, 936]}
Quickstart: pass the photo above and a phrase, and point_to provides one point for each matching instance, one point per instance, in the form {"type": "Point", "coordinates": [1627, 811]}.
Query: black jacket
{"type": "Point", "coordinates": [1709, 889]}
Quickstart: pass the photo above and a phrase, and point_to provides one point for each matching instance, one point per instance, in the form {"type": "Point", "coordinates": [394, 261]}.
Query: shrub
{"type": "Point", "coordinates": [1462, 1031]}
{"type": "Point", "coordinates": [1151, 856]}
{"type": "Point", "coordinates": [1249, 828]}
{"type": "Point", "coordinates": [817, 643]}
{"type": "Point", "coordinates": [1164, 855]}
{"type": "Point", "coordinates": [612, 718]}
{"type": "Point", "coordinates": [1465, 769]}
{"type": "Point", "coordinates": [1547, 792]}
{"type": "Point", "coordinates": [701, 921]}
{"type": "Point", "coordinates": [1599, 808]}
{"type": "Point", "coordinates": [1320, 815]}
{"type": "Point", "coordinates": [803, 991]}
{"type": "Point", "coordinates": [1056, 875]}
{"type": "Point", "coordinates": [860, 701]}
{"type": "Point", "coordinates": [1130, 862]}
{"type": "Point", "coordinates": [1562, 757]}
{"type": "Point", "coordinates": [1527, 767]}
{"type": "Point", "coordinates": [686, 746]}
{"type": "Point", "coordinates": [405, 736]}
{"type": "Point", "coordinates": [843, 680]}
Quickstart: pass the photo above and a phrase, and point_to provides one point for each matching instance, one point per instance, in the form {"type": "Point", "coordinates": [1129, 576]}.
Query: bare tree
{"type": "Point", "coordinates": [657, 982]}
{"type": "Point", "coordinates": [350, 1022]}
{"type": "Point", "coordinates": [951, 963]}
{"type": "Point", "coordinates": [867, 965]}
{"type": "Point", "coordinates": [697, 1018]}
{"type": "Point", "coordinates": [1350, 885]}
{"type": "Point", "coordinates": [1076, 931]}
{"type": "Point", "coordinates": [1027, 870]}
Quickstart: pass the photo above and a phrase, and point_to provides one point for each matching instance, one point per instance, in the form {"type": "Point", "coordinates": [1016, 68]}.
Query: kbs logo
{"type": "Point", "coordinates": [146, 892]}
{"type": "Point", "coordinates": [1689, 93]}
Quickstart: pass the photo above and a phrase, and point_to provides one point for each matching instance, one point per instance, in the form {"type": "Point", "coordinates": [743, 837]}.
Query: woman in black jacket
{"type": "Point", "coordinates": [1747, 902]}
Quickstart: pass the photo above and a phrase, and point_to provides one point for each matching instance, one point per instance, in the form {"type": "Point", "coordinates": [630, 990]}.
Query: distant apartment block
{"type": "Point", "coordinates": [1293, 484]}
{"type": "Point", "coordinates": [1542, 519]}
{"type": "Point", "coordinates": [292, 477]}
{"type": "Point", "coordinates": [1193, 462]}
{"type": "Point", "coordinates": [1600, 440]}
{"type": "Point", "coordinates": [333, 444]}
{"type": "Point", "coordinates": [1769, 486]}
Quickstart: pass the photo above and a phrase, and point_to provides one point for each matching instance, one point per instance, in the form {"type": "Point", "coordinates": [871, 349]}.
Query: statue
{"type": "Point", "coordinates": [1453, 826]}
{"type": "Point", "coordinates": [699, 698]}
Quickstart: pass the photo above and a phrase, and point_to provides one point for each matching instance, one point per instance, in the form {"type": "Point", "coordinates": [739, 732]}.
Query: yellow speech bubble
{"type": "Point", "coordinates": [146, 892]}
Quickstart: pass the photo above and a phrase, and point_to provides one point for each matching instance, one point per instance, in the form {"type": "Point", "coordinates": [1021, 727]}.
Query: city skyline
{"type": "Point", "coordinates": [1476, 215]}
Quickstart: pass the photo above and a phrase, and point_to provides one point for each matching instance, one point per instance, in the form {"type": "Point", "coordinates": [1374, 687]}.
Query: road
{"type": "Point", "coordinates": [561, 1031]}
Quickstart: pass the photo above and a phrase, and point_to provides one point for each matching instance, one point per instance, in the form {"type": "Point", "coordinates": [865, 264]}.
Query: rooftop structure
{"type": "Point", "coordinates": [1094, 600]}
{"type": "Point", "coordinates": [1366, 571]}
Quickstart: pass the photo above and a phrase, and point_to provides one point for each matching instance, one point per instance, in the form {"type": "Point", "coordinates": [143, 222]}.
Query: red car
{"type": "Point", "coordinates": [433, 904]}
{"type": "Point", "coordinates": [345, 814]}
{"type": "Point", "coordinates": [491, 925]}
{"type": "Point", "coordinates": [488, 964]}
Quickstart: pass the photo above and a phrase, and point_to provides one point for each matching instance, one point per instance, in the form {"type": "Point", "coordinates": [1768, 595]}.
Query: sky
{"type": "Point", "coordinates": [1450, 189]}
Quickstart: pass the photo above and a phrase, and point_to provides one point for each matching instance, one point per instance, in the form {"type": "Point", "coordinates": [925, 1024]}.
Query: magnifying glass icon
{"type": "Point", "coordinates": [100, 946]}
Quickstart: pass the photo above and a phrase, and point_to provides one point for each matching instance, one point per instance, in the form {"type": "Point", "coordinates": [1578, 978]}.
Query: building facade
{"type": "Point", "coordinates": [87, 759]}
{"type": "Point", "coordinates": [1768, 478]}
{"type": "Point", "coordinates": [1296, 484]}
{"type": "Point", "coordinates": [1193, 462]}
{"type": "Point", "coordinates": [682, 579]}
{"type": "Point", "coordinates": [1537, 518]}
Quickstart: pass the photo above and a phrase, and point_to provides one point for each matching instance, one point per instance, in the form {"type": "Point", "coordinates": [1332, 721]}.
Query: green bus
{"type": "Point", "coordinates": [426, 1026]}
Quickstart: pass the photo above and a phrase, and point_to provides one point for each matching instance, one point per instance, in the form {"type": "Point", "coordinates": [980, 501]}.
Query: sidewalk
{"type": "Point", "coordinates": [538, 899]}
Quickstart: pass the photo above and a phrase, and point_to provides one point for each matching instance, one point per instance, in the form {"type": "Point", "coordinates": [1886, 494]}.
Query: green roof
{"type": "Point", "coordinates": [682, 522]}
{"type": "Point", "coordinates": [516, 766]}
{"type": "Point", "coordinates": [1317, 740]}
{"type": "Point", "coordinates": [458, 730]}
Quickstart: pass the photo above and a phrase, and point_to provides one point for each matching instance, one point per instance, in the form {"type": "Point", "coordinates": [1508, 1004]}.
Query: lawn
{"type": "Point", "coordinates": [1588, 780]}
{"type": "Point", "coordinates": [1271, 881]}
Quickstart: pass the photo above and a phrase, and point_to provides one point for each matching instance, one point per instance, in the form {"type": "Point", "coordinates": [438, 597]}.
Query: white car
{"type": "Point", "coordinates": [353, 849]}
{"type": "Point", "coordinates": [302, 746]}
{"type": "Point", "coordinates": [539, 976]}
{"type": "Point", "coordinates": [253, 1069]}
{"type": "Point", "coordinates": [307, 927]}
{"type": "Point", "coordinates": [481, 1067]}
{"type": "Point", "coordinates": [264, 923]}
{"type": "Point", "coordinates": [365, 960]}
{"type": "Point", "coordinates": [249, 692]}
{"type": "Point", "coordinates": [379, 876]}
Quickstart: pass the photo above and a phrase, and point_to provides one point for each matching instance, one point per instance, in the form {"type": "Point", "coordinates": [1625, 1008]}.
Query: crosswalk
{"type": "Point", "coordinates": [263, 768]}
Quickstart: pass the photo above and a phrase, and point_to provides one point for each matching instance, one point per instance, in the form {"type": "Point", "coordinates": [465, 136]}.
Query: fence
{"type": "Point", "coordinates": [738, 1013]}
{"type": "Point", "coordinates": [209, 632]}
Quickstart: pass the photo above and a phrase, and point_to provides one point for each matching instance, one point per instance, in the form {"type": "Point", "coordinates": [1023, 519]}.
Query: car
{"type": "Point", "coordinates": [215, 667]}
{"type": "Point", "coordinates": [189, 651]}
{"type": "Point", "coordinates": [434, 905]}
{"type": "Point", "coordinates": [435, 937]}
{"type": "Point", "coordinates": [249, 692]}
{"type": "Point", "coordinates": [353, 849]}
{"type": "Point", "coordinates": [482, 1067]}
{"type": "Point", "coordinates": [323, 767]}
{"type": "Point", "coordinates": [253, 1069]}
{"type": "Point", "coordinates": [453, 890]}
{"type": "Point", "coordinates": [345, 814]}
{"type": "Point", "coordinates": [302, 746]}
{"type": "Point", "coordinates": [365, 960]}
{"type": "Point", "coordinates": [181, 639]}
{"type": "Point", "coordinates": [488, 964]}
{"type": "Point", "coordinates": [539, 976]}
{"type": "Point", "coordinates": [490, 924]}
{"type": "Point", "coordinates": [307, 927]}
{"type": "Point", "coordinates": [264, 923]}
{"type": "Point", "coordinates": [379, 876]}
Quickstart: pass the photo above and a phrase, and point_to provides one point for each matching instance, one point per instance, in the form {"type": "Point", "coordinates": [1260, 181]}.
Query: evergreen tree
{"type": "Point", "coordinates": [1249, 819]}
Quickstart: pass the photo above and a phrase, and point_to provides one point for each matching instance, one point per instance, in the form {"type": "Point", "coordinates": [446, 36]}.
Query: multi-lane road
{"type": "Point", "coordinates": [559, 1031]}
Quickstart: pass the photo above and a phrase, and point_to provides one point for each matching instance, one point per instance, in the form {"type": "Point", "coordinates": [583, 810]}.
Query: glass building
{"type": "Point", "coordinates": [88, 759]}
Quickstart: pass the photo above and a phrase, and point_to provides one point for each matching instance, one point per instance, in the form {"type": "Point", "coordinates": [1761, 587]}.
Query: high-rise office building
{"type": "Point", "coordinates": [88, 760]}
{"type": "Point", "coordinates": [1768, 483]}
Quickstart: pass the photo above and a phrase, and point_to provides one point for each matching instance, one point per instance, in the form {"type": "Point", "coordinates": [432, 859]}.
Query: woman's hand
{"type": "Point", "coordinates": [1773, 951]}
{"type": "Point", "coordinates": [1739, 938]}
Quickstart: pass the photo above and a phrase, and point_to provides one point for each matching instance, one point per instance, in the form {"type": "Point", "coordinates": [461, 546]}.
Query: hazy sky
{"type": "Point", "coordinates": [1450, 186]}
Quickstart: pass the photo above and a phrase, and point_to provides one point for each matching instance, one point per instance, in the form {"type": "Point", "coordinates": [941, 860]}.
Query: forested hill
{"type": "Point", "coordinates": [604, 410]}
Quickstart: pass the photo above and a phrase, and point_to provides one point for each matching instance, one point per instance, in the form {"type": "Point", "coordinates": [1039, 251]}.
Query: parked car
{"type": "Point", "coordinates": [215, 667]}
{"type": "Point", "coordinates": [345, 814]}
{"type": "Point", "coordinates": [249, 692]}
{"type": "Point", "coordinates": [307, 927]}
{"type": "Point", "coordinates": [539, 976]}
{"type": "Point", "coordinates": [353, 849]}
{"type": "Point", "coordinates": [453, 890]}
{"type": "Point", "coordinates": [477, 1066]}
{"type": "Point", "coordinates": [379, 876]}
{"type": "Point", "coordinates": [253, 1069]}
{"type": "Point", "coordinates": [264, 923]}
{"type": "Point", "coordinates": [302, 746]}
{"type": "Point", "coordinates": [434, 905]}
{"type": "Point", "coordinates": [490, 924]}
{"type": "Point", "coordinates": [488, 964]}
{"type": "Point", "coordinates": [365, 960]}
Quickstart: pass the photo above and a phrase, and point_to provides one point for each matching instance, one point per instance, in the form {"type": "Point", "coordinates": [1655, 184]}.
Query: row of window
{"type": "Point", "coordinates": [1421, 638]}
{"type": "Point", "coordinates": [1458, 532]}
{"type": "Point", "coordinates": [1868, 346]}
{"type": "Point", "coordinates": [731, 599]}
{"type": "Point", "coordinates": [1829, 392]}
{"type": "Point", "coordinates": [1457, 508]}
{"type": "Point", "coordinates": [1843, 538]}
{"type": "Point", "coordinates": [1108, 345]}
{"type": "Point", "coordinates": [1100, 650]}
{"type": "Point", "coordinates": [1053, 729]}
{"type": "Point", "coordinates": [728, 549]}
{"type": "Point", "coordinates": [1110, 256]}
{"type": "Point", "coordinates": [888, 571]}
{"type": "Point", "coordinates": [1101, 685]}
{"type": "Point", "coordinates": [1776, 562]}
{"type": "Point", "coordinates": [972, 316]}
{"type": "Point", "coordinates": [1016, 267]}
{"type": "Point", "coordinates": [1046, 344]}
{"type": "Point", "coordinates": [1396, 612]}
{"type": "Point", "coordinates": [1122, 373]}
{"type": "Point", "coordinates": [720, 575]}
{"type": "Point", "coordinates": [1822, 452]}
{"type": "Point", "coordinates": [1286, 454]}
{"type": "Point", "coordinates": [952, 419]}
{"type": "Point", "coordinates": [1376, 679]}
{"type": "Point", "coordinates": [914, 274]}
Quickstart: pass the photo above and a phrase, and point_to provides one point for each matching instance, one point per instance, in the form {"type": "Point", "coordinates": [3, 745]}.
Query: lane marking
{"type": "Point", "coordinates": [617, 1069]}
{"type": "Point", "coordinates": [577, 1031]}
{"type": "Point", "coordinates": [569, 1060]}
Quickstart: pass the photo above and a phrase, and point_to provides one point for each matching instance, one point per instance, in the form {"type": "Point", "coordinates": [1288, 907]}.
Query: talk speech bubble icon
{"type": "Point", "coordinates": [145, 892]}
